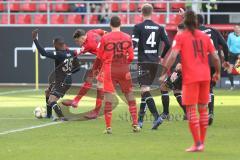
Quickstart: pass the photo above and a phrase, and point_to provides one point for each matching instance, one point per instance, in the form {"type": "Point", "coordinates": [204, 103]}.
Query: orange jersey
{"type": "Point", "coordinates": [194, 50]}
{"type": "Point", "coordinates": [116, 52]}
{"type": "Point", "coordinates": [116, 47]}
{"type": "Point", "coordinates": [93, 38]}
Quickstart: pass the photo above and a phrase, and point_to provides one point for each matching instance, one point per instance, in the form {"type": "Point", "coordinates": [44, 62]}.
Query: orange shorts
{"type": "Point", "coordinates": [195, 93]}
{"type": "Point", "coordinates": [112, 78]}
{"type": "Point", "coordinates": [96, 68]}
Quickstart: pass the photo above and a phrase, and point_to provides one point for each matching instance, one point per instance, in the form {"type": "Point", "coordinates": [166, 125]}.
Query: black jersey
{"type": "Point", "coordinates": [147, 36]}
{"type": "Point", "coordinates": [217, 39]}
{"type": "Point", "coordinates": [65, 62]}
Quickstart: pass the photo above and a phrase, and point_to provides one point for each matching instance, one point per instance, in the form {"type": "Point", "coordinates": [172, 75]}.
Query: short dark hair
{"type": "Point", "coordinates": [147, 9]}
{"type": "Point", "coordinates": [200, 19]}
{"type": "Point", "coordinates": [115, 21]}
{"type": "Point", "coordinates": [59, 40]}
{"type": "Point", "coordinates": [79, 33]}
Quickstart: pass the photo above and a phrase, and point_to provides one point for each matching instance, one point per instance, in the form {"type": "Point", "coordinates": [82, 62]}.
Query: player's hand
{"type": "Point", "coordinates": [181, 11]}
{"type": "Point", "coordinates": [34, 34]}
{"type": "Point", "coordinates": [162, 78]}
{"type": "Point", "coordinates": [179, 67]}
{"type": "Point", "coordinates": [216, 77]}
{"type": "Point", "coordinates": [226, 65]}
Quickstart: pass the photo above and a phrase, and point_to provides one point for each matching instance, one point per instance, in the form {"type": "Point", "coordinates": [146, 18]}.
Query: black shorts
{"type": "Point", "coordinates": [176, 84]}
{"type": "Point", "coordinates": [147, 72]}
{"type": "Point", "coordinates": [59, 88]}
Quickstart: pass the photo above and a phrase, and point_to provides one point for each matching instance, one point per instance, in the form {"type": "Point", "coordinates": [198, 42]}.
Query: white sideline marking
{"type": "Point", "coordinates": [28, 128]}
{"type": "Point", "coordinates": [17, 91]}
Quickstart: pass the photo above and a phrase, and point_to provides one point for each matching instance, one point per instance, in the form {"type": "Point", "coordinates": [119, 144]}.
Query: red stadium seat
{"type": "Point", "coordinates": [176, 6]}
{"type": "Point", "coordinates": [114, 7]}
{"type": "Point", "coordinates": [74, 19]}
{"type": "Point", "coordinates": [57, 19]}
{"type": "Point", "coordinates": [4, 19]}
{"type": "Point", "coordinates": [160, 7]}
{"type": "Point", "coordinates": [28, 7]}
{"type": "Point", "coordinates": [124, 18]}
{"type": "Point", "coordinates": [94, 19]}
{"type": "Point", "coordinates": [1, 6]}
{"type": "Point", "coordinates": [24, 19]}
{"type": "Point", "coordinates": [159, 18]}
{"type": "Point", "coordinates": [14, 7]}
{"type": "Point", "coordinates": [40, 19]}
{"type": "Point", "coordinates": [42, 7]}
{"type": "Point", "coordinates": [175, 19]}
{"type": "Point", "coordinates": [125, 6]}
{"type": "Point", "coordinates": [137, 19]}
{"type": "Point", "coordinates": [61, 7]}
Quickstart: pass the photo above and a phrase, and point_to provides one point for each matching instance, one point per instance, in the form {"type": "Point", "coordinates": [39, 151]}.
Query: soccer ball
{"type": "Point", "coordinates": [40, 112]}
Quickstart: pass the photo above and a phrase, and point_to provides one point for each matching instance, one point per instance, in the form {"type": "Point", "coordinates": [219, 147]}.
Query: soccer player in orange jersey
{"type": "Point", "coordinates": [194, 48]}
{"type": "Point", "coordinates": [116, 53]}
{"type": "Point", "coordinates": [89, 41]}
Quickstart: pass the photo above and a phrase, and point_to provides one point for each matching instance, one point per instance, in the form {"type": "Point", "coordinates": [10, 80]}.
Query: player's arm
{"type": "Point", "coordinates": [216, 60]}
{"type": "Point", "coordinates": [165, 39]}
{"type": "Point", "coordinates": [176, 47]}
{"type": "Point", "coordinates": [41, 50]}
{"type": "Point", "coordinates": [100, 49]}
{"type": "Point", "coordinates": [222, 43]}
{"type": "Point", "coordinates": [135, 36]}
{"type": "Point", "coordinates": [130, 53]}
{"type": "Point", "coordinates": [101, 32]}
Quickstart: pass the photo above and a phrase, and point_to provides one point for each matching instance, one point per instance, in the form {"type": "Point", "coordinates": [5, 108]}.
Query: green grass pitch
{"type": "Point", "coordinates": [85, 139]}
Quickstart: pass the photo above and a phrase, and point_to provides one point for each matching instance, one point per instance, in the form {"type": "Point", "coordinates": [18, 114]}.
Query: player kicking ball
{"type": "Point", "coordinates": [116, 53]}
{"type": "Point", "coordinates": [194, 47]}
{"type": "Point", "coordinates": [89, 41]}
{"type": "Point", "coordinates": [60, 79]}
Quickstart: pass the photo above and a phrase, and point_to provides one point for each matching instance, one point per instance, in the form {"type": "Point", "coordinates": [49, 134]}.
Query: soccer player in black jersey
{"type": "Point", "coordinates": [218, 41]}
{"type": "Point", "coordinates": [60, 80]}
{"type": "Point", "coordinates": [147, 36]}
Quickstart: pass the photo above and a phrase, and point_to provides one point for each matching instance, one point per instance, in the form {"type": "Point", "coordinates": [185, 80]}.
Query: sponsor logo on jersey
{"type": "Point", "coordinates": [152, 27]}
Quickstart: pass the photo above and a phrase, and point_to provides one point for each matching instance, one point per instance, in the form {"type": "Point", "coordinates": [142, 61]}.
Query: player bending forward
{"type": "Point", "coordinates": [116, 53]}
{"type": "Point", "coordinates": [89, 41]}
{"type": "Point", "coordinates": [60, 79]}
{"type": "Point", "coordinates": [194, 48]}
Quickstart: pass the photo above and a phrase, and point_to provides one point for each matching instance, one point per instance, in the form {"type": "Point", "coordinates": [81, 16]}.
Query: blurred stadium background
{"type": "Point", "coordinates": [61, 17]}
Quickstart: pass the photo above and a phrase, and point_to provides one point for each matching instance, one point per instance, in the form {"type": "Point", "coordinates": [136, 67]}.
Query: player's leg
{"type": "Point", "coordinates": [211, 106]}
{"type": "Point", "coordinates": [178, 96]}
{"type": "Point", "coordinates": [108, 111]}
{"type": "Point", "coordinates": [142, 112]}
{"type": "Point", "coordinates": [49, 109]}
{"type": "Point", "coordinates": [232, 60]}
{"type": "Point", "coordinates": [190, 94]}
{"type": "Point", "coordinates": [202, 109]}
{"type": "Point", "coordinates": [165, 104]}
{"type": "Point", "coordinates": [53, 104]}
{"type": "Point", "coordinates": [147, 73]}
{"type": "Point", "coordinates": [126, 87]}
{"type": "Point", "coordinates": [100, 94]}
{"type": "Point", "coordinates": [132, 107]}
{"type": "Point", "coordinates": [145, 94]}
